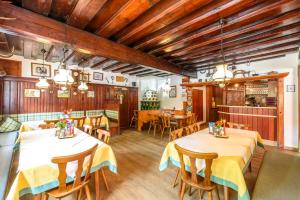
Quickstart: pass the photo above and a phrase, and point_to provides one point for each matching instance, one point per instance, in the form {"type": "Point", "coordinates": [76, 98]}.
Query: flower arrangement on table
{"type": "Point", "coordinates": [65, 128]}
{"type": "Point", "coordinates": [219, 130]}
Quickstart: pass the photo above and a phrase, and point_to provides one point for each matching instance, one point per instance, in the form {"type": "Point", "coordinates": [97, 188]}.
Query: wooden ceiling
{"type": "Point", "coordinates": [181, 34]}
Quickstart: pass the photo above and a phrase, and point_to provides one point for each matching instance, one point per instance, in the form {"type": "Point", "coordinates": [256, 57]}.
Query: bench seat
{"type": "Point", "coordinates": [7, 142]}
{"type": "Point", "coordinates": [278, 178]}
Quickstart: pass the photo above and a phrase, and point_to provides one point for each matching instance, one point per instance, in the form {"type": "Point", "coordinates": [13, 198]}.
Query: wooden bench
{"type": "Point", "coordinates": [278, 177]}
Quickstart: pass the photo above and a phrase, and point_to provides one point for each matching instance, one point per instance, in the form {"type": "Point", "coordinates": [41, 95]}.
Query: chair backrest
{"type": "Point", "coordinates": [199, 125]}
{"type": "Point", "coordinates": [238, 126]}
{"type": "Point", "coordinates": [193, 118]}
{"type": "Point", "coordinates": [54, 121]}
{"type": "Point", "coordinates": [78, 121]}
{"type": "Point", "coordinates": [88, 128]}
{"type": "Point", "coordinates": [103, 135]}
{"type": "Point", "coordinates": [135, 114]}
{"type": "Point", "coordinates": [166, 120]}
{"type": "Point", "coordinates": [95, 120]}
{"type": "Point", "coordinates": [192, 175]}
{"type": "Point", "coordinates": [190, 129]}
{"type": "Point", "coordinates": [62, 162]}
{"type": "Point", "coordinates": [178, 133]}
{"type": "Point", "coordinates": [46, 126]}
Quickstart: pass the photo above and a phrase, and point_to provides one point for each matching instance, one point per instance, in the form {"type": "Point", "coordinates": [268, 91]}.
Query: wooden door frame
{"type": "Point", "coordinates": [299, 100]}
{"type": "Point", "coordinates": [204, 101]}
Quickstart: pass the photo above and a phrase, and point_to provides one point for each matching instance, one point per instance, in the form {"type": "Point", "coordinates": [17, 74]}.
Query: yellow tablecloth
{"type": "Point", "coordinates": [235, 154]}
{"type": "Point", "coordinates": [36, 172]}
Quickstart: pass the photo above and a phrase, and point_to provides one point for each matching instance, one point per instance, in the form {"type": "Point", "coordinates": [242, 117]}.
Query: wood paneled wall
{"type": "Point", "coordinates": [13, 100]}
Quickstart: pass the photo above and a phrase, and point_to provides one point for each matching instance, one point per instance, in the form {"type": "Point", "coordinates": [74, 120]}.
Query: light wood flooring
{"type": "Point", "coordinates": [138, 157]}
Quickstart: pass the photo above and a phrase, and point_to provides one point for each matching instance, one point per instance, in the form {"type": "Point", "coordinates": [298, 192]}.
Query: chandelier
{"type": "Point", "coordinates": [63, 77]}
{"type": "Point", "coordinates": [83, 86]}
{"type": "Point", "coordinates": [222, 75]}
{"type": "Point", "coordinates": [43, 83]}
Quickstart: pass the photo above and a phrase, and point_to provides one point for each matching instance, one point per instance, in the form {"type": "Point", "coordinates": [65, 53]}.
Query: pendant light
{"type": "Point", "coordinates": [83, 86]}
{"type": "Point", "coordinates": [63, 77]}
{"type": "Point", "coordinates": [43, 83]}
{"type": "Point", "coordinates": [222, 75]}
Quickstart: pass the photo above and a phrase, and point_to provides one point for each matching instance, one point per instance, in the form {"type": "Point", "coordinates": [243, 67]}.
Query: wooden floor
{"type": "Point", "coordinates": [138, 157]}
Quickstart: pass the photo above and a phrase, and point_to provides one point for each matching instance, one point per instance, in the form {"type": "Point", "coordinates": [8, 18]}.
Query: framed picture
{"type": "Point", "coordinates": [290, 88]}
{"type": "Point", "coordinates": [84, 76]}
{"type": "Point", "coordinates": [32, 93]}
{"type": "Point", "coordinates": [39, 70]}
{"type": "Point", "coordinates": [90, 94]}
{"type": "Point", "coordinates": [98, 76]}
{"type": "Point", "coordinates": [63, 93]}
{"type": "Point", "coordinates": [172, 93]}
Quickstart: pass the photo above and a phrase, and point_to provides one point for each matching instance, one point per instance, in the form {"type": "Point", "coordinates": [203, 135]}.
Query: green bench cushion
{"type": "Point", "coordinates": [278, 178]}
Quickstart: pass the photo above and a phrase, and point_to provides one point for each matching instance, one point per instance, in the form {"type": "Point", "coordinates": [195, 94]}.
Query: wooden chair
{"type": "Point", "coordinates": [104, 136]}
{"type": "Point", "coordinates": [88, 129]}
{"type": "Point", "coordinates": [191, 178]}
{"type": "Point", "coordinates": [46, 126]}
{"type": "Point", "coordinates": [191, 129]}
{"type": "Point", "coordinates": [51, 122]}
{"type": "Point", "coordinates": [154, 123]}
{"type": "Point", "coordinates": [134, 118]}
{"type": "Point", "coordinates": [166, 124]}
{"type": "Point", "coordinates": [78, 121]}
{"type": "Point", "coordinates": [193, 118]}
{"type": "Point", "coordinates": [79, 183]}
{"type": "Point", "coordinates": [238, 126]}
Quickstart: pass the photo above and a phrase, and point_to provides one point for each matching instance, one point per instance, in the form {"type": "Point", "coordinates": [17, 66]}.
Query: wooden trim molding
{"type": "Point", "coordinates": [280, 112]}
{"type": "Point", "coordinates": [226, 106]}
{"type": "Point", "coordinates": [242, 114]}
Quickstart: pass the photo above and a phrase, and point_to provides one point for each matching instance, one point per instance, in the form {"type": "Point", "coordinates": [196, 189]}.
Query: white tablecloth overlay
{"type": "Point", "coordinates": [237, 144]}
{"type": "Point", "coordinates": [38, 147]}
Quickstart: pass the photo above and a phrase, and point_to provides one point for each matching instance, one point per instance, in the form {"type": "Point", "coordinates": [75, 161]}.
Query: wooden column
{"type": "Point", "coordinates": [280, 112]}
{"type": "Point", "coordinates": [299, 100]}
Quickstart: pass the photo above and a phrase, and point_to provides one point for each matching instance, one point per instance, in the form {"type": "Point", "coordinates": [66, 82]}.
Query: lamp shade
{"type": "Point", "coordinates": [42, 84]}
{"type": "Point", "coordinates": [222, 73]}
{"type": "Point", "coordinates": [83, 87]}
{"type": "Point", "coordinates": [63, 77]}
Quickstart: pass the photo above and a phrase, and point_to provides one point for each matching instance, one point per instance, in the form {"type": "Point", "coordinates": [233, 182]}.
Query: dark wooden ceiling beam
{"type": "Point", "coordinates": [239, 18]}
{"type": "Point", "coordinates": [140, 71]}
{"type": "Point", "coordinates": [36, 26]}
{"type": "Point", "coordinates": [115, 65]}
{"type": "Point", "coordinates": [48, 53]}
{"type": "Point", "coordinates": [160, 10]}
{"type": "Point", "coordinates": [120, 69]}
{"type": "Point", "coordinates": [84, 12]}
{"type": "Point", "coordinates": [255, 44]}
{"type": "Point", "coordinates": [146, 73]}
{"type": "Point", "coordinates": [203, 14]}
{"type": "Point", "coordinates": [234, 60]}
{"type": "Point", "coordinates": [131, 69]}
{"type": "Point", "coordinates": [242, 40]}
{"type": "Point", "coordinates": [248, 51]}
{"type": "Point", "coordinates": [38, 6]}
{"type": "Point", "coordinates": [100, 63]}
{"type": "Point", "coordinates": [251, 27]}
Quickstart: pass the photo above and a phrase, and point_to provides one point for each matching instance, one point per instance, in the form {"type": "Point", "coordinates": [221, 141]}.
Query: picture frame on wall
{"type": "Point", "coordinates": [290, 88]}
{"type": "Point", "coordinates": [32, 93]}
{"type": "Point", "coordinates": [173, 92]}
{"type": "Point", "coordinates": [90, 94]}
{"type": "Point", "coordinates": [63, 93]}
{"type": "Point", "coordinates": [84, 76]}
{"type": "Point", "coordinates": [98, 76]}
{"type": "Point", "coordinates": [40, 70]}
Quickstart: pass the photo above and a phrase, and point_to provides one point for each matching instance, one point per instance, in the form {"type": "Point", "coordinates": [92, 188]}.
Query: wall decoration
{"type": "Point", "coordinates": [98, 76]}
{"type": "Point", "coordinates": [90, 94]}
{"type": "Point", "coordinates": [40, 70]}
{"type": "Point", "coordinates": [63, 93]}
{"type": "Point", "coordinates": [120, 79]}
{"type": "Point", "coordinates": [173, 92]}
{"type": "Point", "coordinates": [84, 77]}
{"type": "Point", "coordinates": [32, 93]}
{"type": "Point", "coordinates": [290, 88]}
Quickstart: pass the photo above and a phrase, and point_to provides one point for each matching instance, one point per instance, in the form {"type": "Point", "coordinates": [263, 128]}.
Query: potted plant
{"type": "Point", "coordinates": [61, 125]}
{"type": "Point", "coordinates": [219, 127]}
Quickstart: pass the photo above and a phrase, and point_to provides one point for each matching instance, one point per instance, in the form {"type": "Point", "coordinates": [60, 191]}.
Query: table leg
{"type": "Point", "coordinates": [226, 193]}
{"type": "Point", "coordinates": [97, 185]}
{"type": "Point", "coordinates": [37, 197]}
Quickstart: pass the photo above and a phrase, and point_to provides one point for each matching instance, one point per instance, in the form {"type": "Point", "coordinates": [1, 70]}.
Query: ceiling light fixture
{"type": "Point", "coordinates": [43, 83]}
{"type": "Point", "coordinates": [222, 75]}
{"type": "Point", "coordinates": [63, 77]}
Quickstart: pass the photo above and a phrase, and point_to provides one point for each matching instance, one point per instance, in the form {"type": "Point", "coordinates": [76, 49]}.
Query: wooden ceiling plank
{"type": "Point", "coordinates": [202, 14]}
{"type": "Point", "coordinates": [232, 61]}
{"type": "Point", "coordinates": [39, 6]}
{"type": "Point", "coordinates": [48, 53]}
{"type": "Point", "coordinates": [160, 10]}
{"type": "Point", "coordinates": [84, 12]}
{"type": "Point", "coordinates": [255, 37]}
{"type": "Point", "coordinates": [238, 32]}
{"type": "Point", "coordinates": [36, 26]}
{"type": "Point", "coordinates": [140, 71]}
{"type": "Point", "coordinates": [123, 68]}
{"type": "Point", "coordinates": [146, 74]}
{"type": "Point", "coordinates": [96, 65]}
{"type": "Point", "coordinates": [114, 65]}
{"type": "Point", "coordinates": [239, 18]}
{"type": "Point", "coordinates": [125, 14]}
{"type": "Point", "coordinates": [254, 48]}
{"type": "Point", "coordinates": [148, 71]}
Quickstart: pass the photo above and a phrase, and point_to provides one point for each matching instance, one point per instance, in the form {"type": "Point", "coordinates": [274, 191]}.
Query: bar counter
{"type": "Point", "coordinates": [261, 119]}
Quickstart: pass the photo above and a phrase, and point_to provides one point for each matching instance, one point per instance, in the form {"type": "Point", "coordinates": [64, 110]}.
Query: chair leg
{"type": "Point", "coordinates": [180, 187]}
{"type": "Point", "coordinates": [104, 178]}
{"type": "Point", "coordinates": [200, 194]}
{"type": "Point", "coordinates": [190, 191]}
{"type": "Point", "coordinates": [250, 167]}
{"type": "Point", "coordinates": [79, 193]}
{"type": "Point", "coordinates": [46, 196]}
{"type": "Point", "coordinates": [209, 195]}
{"type": "Point", "coordinates": [162, 132]}
{"type": "Point", "coordinates": [149, 128]}
{"type": "Point", "coordinates": [176, 177]}
{"type": "Point", "coordinates": [88, 193]}
{"type": "Point", "coordinates": [182, 191]}
{"type": "Point", "coordinates": [154, 131]}
{"type": "Point", "coordinates": [217, 191]}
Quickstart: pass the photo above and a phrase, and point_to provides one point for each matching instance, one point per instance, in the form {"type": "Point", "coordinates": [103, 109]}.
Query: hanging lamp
{"type": "Point", "coordinates": [63, 77]}
{"type": "Point", "coordinates": [83, 86]}
{"type": "Point", "coordinates": [222, 75]}
{"type": "Point", "coordinates": [43, 83]}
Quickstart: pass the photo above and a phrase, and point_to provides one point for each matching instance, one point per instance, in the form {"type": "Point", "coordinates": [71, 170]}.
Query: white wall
{"type": "Point", "coordinates": [289, 63]}
{"type": "Point", "coordinates": [26, 71]}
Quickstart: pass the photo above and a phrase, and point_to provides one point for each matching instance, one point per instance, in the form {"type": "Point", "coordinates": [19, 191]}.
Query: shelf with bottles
{"type": "Point", "coordinates": [150, 105]}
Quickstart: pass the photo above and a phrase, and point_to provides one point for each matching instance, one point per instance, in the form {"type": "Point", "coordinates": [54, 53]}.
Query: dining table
{"type": "Point", "coordinates": [234, 156]}
{"type": "Point", "coordinates": [37, 174]}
